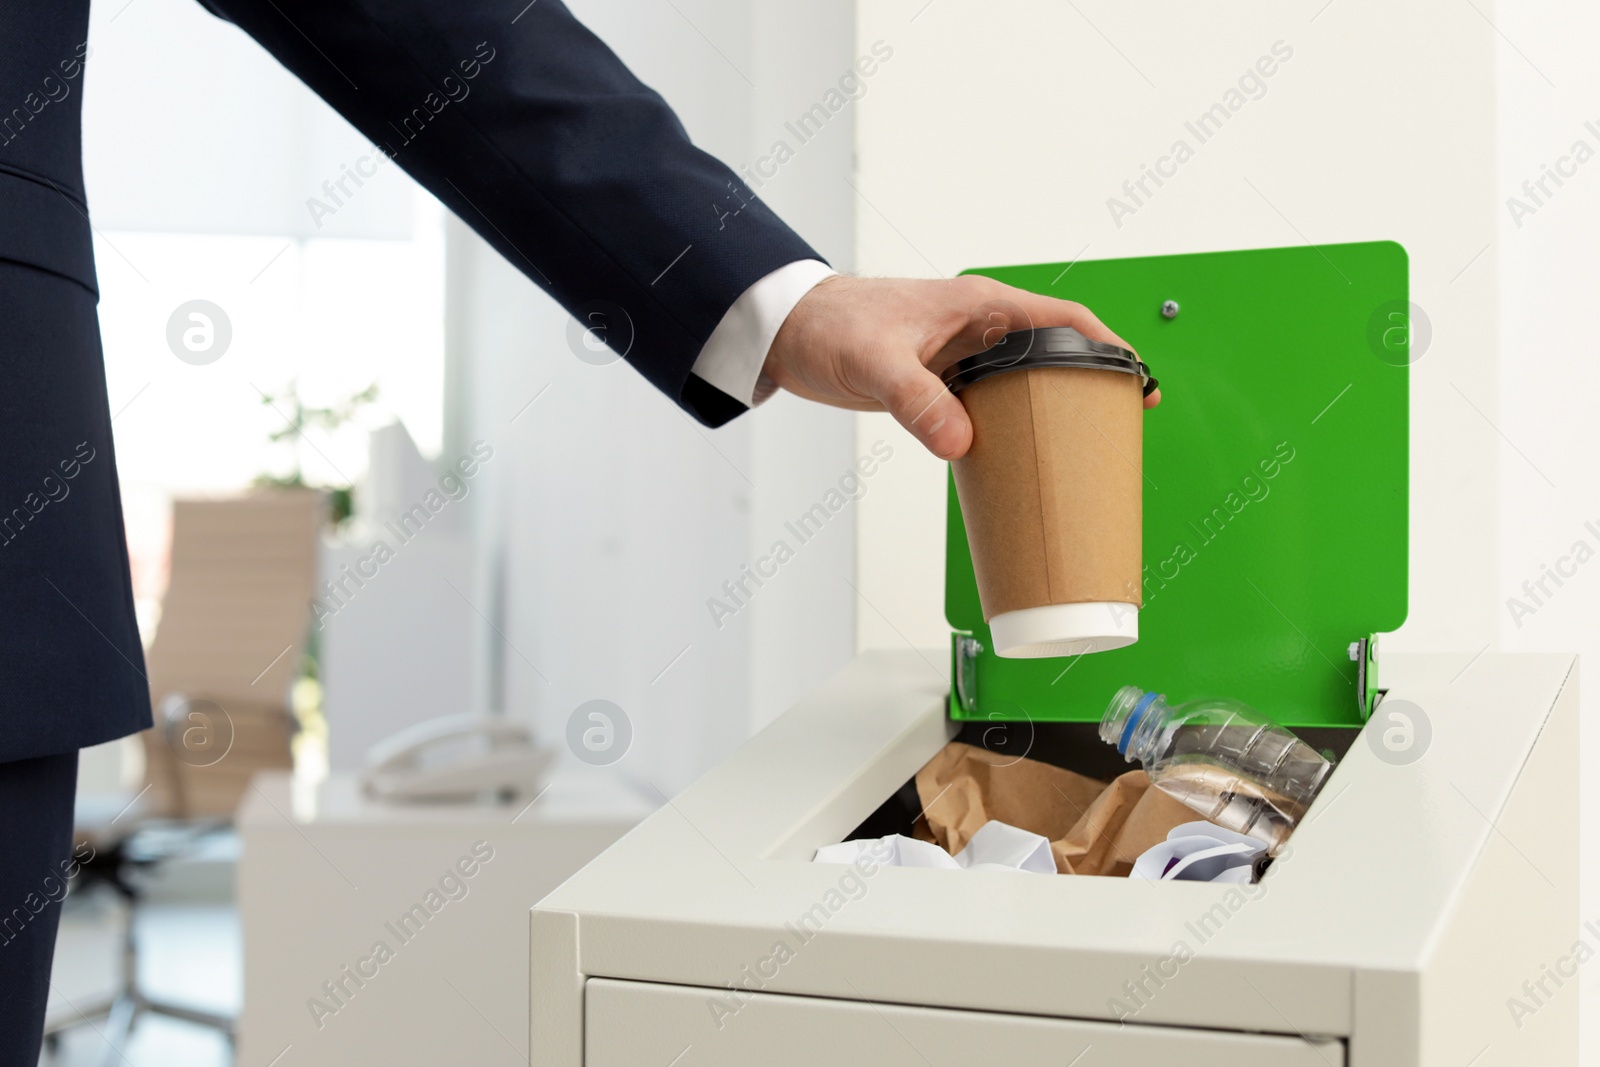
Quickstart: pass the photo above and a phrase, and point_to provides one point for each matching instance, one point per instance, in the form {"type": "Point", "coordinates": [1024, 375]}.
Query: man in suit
{"type": "Point", "coordinates": [572, 169]}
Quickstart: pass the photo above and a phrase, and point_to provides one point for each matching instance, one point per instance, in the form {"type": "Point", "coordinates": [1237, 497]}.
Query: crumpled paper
{"type": "Point", "coordinates": [1201, 852]}
{"type": "Point", "coordinates": [995, 847]}
{"type": "Point", "coordinates": [1093, 827]}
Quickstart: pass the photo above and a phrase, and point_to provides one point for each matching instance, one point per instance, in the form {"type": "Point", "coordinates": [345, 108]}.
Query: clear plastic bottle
{"type": "Point", "coordinates": [1222, 758]}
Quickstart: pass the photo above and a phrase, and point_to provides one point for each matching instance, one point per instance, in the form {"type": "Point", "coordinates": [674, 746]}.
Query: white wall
{"type": "Point", "coordinates": [191, 127]}
{"type": "Point", "coordinates": [608, 518]}
{"type": "Point", "coordinates": [1410, 122]}
{"type": "Point", "coordinates": [1548, 376]}
{"type": "Point", "coordinates": [998, 131]}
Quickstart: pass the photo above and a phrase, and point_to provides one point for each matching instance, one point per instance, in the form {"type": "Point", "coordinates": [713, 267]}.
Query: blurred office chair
{"type": "Point", "coordinates": [233, 626]}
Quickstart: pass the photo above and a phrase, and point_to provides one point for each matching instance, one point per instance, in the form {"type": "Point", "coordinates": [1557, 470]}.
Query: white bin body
{"type": "Point", "coordinates": [1417, 899]}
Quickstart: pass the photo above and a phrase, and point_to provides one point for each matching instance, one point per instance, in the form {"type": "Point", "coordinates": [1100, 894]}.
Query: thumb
{"type": "Point", "coordinates": [922, 403]}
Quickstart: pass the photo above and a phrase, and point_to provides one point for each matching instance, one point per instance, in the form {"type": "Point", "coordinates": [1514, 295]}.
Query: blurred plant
{"type": "Point", "coordinates": [298, 418]}
{"type": "Point", "coordinates": [310, 744]}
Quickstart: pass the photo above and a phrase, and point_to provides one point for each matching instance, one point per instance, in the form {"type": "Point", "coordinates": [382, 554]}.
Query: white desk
{"type": "Point", "coordinates": [1416, 900]}
{"type": "Point", "coordinates": [322, 881]}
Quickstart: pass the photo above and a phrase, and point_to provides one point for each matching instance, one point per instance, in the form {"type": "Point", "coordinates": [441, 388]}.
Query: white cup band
{"type": "Point", "coordinates": [1065, 629]}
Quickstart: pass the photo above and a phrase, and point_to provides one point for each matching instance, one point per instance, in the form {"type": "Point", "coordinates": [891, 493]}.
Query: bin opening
{"type": "Point", "coordinates": [1061, 782]}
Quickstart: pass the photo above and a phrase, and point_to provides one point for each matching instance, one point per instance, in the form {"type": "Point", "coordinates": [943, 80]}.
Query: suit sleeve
{"type": "Point", "coordinates": [529, 128]}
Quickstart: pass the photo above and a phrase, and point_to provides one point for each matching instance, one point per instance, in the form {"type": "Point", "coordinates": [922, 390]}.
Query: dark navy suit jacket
{"type": "Point", "coordinates": [517, 118]}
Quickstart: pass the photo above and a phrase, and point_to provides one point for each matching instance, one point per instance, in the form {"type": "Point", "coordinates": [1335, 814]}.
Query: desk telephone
{"type": "Point", "coordinates": [457, 757]}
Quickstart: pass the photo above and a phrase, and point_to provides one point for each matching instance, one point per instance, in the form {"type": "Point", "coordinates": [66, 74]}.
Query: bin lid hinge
{"type": "Point", "coordinates": [1368, 694]}
{"type": "Point", "coordinates": [966, 649]}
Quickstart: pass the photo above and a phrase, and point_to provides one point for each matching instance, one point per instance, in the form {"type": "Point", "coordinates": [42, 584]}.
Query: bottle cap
{"type": "Point", "coordinates": [1134, 717]}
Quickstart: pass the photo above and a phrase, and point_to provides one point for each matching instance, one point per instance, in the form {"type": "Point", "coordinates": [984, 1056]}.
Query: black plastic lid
{"type": "Point", "coordinates": [1046, 346]}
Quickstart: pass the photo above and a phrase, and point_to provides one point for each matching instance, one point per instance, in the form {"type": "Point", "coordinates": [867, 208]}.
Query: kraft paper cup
{"type": "Point", "coordinates": [1051, 490]}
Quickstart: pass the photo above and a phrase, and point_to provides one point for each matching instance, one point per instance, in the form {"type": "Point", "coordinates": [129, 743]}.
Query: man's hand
{"type": "Point", "coordinates": [878, 344]}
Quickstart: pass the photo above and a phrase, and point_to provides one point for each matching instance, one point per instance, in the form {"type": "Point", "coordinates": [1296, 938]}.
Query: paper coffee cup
{"type": "Point", "coordinates": [1051, 490]}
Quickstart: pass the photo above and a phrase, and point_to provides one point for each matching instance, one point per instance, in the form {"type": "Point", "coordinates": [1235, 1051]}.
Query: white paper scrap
{"type": "Point", "coordinates": [997, 846]}
{"type": "Point", "coordinates": [1000, 846]}
{"type": "Point", "coordinates": [1200, 852]}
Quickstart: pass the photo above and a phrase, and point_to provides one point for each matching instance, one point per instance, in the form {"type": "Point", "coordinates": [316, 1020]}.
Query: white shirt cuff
{"type": "Point", "coordinates": [737, 349]}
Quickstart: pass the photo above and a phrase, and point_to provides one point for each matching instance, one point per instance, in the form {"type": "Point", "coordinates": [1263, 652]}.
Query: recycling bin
{"type": "Point", "coordinates": [1420, 914]}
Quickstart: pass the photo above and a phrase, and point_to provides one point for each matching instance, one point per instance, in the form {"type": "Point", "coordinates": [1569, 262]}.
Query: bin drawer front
{"type": "Point", "coordinates": [640, 1024]}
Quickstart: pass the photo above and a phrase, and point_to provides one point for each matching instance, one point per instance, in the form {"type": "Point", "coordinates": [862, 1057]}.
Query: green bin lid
{"type": "Point", "coordinates": [1276, 471]}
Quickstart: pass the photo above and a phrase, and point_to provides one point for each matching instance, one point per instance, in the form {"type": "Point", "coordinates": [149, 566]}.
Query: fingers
{"type": "Point", "coordinates": [983, 311]}
{"type": "Point", "coordinates": [1004, 308]}
{"type": "Point", "coordinates": [988, 310]}
{"type": "Point", "coordinates": [919, 401]}
{"type": "Point", "coordinates": [1048, 311]}
{"type": "Point", "coordinates": [1039, 311]}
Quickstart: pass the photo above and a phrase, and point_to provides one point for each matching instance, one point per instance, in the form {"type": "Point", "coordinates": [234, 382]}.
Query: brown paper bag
{"type": "Point", "coordinates": [1093, 827]}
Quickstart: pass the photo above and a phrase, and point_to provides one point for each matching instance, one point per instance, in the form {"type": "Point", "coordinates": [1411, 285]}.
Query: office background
{"type": "Point", "coordinates": [582, 560]}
